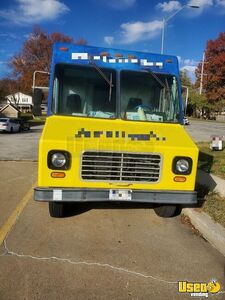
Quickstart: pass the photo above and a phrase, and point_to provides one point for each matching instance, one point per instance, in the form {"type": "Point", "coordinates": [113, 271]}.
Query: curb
{"type": "Point", "coordinates": [213, 232]}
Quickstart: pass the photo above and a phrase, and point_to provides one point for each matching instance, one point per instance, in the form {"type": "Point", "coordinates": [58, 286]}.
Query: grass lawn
{"type": "Point", "coordinates": [214, 206]}
{"type": "Point", "coordinates": [37, 121]}
{"type": "Point", "coordinates": [211, 161]}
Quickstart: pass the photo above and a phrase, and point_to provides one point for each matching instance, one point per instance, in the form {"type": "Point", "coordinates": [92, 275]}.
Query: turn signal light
{"type": "Point", "coordinates": [104, 54]}
{"type": "Point", "coordinates": [58, 174]}
{"type": "Point", "coordinates": [131, 56]}
{"type": "Point", "coordinates": [179, 179]}
{"type": "Point", "coordinates": [63, 49]}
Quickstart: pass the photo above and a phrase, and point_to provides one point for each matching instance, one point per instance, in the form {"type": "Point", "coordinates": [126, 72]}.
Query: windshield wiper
{"type": "Point", "coordinates": [109, 81]}
{"type": "Point", "coordinates": [158, 79]}
{"type": "Point", "coordinates": [101, 73]}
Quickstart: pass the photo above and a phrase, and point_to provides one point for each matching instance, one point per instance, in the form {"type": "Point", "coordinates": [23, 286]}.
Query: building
{"type": "Point", "coordinates": [10, 111]}
{"type": "Point", "coordinates": [20, 100]}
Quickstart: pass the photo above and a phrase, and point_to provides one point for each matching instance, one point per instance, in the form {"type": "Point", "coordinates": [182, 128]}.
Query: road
{"type": "Point", "coordinates": [203, 130]}
{"type": "Point", "coordinates": [111, 251]}
{"type": "Point", "coordinates": [23, 145]}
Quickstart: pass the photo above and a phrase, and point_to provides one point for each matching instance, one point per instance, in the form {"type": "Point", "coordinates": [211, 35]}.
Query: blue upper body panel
{"type": "Point", "coordinates": [82, 54]}
{"type": "Point", "coordinates": [118, 59]}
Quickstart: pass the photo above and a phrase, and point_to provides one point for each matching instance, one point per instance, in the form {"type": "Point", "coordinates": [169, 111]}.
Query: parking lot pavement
{"type": "Point", "coordinates": [16, 179]}
{"type": "Point", "coordinates": [102, 253]}
{"type": "Point", "coordinates": [202, 131]}
{"type": "Point", "coordinates": [21, 145]}
{"type": "Point", "coordinates": [115, 251]}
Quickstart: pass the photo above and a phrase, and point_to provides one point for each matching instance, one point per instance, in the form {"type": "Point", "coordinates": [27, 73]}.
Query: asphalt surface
{"type": "Point", "coordinates": [111, 251]}
{"type": "Point", "coordinates": [20, 145]}
{"type": "Point", "coordinates": [203, 130]}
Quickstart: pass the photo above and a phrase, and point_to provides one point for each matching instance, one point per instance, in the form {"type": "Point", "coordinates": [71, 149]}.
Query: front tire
{"type": "Point", "coordinates": [167, 211]}
{"type": "Point", "coordinates": [56, 209]}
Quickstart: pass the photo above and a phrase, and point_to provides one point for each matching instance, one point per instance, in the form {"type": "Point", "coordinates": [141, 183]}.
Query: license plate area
{"type": "Point", "coordinates": [120, 195]}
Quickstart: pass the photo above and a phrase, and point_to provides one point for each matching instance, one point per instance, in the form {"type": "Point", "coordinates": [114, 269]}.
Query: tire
{"type": "Point", "coordinates": [56, 209]}
{"type": "Point", "coordinates": [167, 211]}
{"type": "Point", "coordinates": [11, 130]}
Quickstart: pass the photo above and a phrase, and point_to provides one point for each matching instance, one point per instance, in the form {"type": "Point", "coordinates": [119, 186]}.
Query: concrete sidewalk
{"type": "Point", "coordinates": [213, 232]}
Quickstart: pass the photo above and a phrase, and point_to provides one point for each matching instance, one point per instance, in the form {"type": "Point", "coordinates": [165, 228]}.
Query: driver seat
{"type": "Point", "coordinates": [73, 104]}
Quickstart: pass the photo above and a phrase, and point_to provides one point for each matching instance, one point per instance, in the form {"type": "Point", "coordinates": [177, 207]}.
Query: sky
{"type": "Point", "coordinates": [122, 24]}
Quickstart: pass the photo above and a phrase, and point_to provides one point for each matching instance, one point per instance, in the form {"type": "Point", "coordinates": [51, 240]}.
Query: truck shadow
{"type": "Point", "coordinates": [73, 209]}
{"type": "Point", "coordinates": [205, 161]}
{"type": "Point", "coordinates": [204, 185]}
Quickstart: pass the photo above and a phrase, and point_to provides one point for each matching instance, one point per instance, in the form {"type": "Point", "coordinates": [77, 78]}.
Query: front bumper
{"type": "Point", "coordinates": [102, 195]}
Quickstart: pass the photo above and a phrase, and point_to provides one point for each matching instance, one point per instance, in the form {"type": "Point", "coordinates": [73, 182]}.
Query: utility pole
{"type": "Point", "coordinates": [202, 74]}
{"type": "Point", "coordinates": [163, 32]}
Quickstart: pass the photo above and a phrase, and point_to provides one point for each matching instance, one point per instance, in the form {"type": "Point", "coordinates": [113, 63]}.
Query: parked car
{"type": "Point", "coordinates": [186, 121]}
{"type": "Point", "coordinates": [24, 125]}
{"type": "Point", "coordinates": [9, 125]}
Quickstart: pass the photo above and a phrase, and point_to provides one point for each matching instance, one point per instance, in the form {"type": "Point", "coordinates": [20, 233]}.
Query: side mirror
{"type": "Point", "coordinates": [38, 94]}
{"type": "Point", "coordinates": [37, 100]}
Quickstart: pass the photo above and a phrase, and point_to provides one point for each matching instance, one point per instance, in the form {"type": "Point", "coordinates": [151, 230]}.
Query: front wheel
{"type": "Point", "coordinates": [167, 211]}
{"type": "Point", "coordinates": [56, 209]}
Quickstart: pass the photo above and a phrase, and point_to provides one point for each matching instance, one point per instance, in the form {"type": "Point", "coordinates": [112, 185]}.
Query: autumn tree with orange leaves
{"type": "Point", "coordinates": [214, 72]}
{"type": "Point", "coordinates": [36, 55]}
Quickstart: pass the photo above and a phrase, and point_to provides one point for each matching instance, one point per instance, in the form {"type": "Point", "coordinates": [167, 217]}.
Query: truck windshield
{"type": "Point", "coordinates": [145, 97]}
{"type": "Point", "coordinates": [84, 91]}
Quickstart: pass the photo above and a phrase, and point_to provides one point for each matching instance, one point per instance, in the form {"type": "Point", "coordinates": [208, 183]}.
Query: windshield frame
{"type": "Point", "coordinates": [117, 87]}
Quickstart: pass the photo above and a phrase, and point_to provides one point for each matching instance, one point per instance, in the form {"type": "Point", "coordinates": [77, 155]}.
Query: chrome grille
{"type": "Point", "coordinates": [117, 166]}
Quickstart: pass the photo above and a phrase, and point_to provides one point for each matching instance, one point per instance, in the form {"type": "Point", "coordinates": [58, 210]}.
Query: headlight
{"type": "Point", "coordinates": [182, 165]}
{"type": "Point", "coordinates": [58, 160]}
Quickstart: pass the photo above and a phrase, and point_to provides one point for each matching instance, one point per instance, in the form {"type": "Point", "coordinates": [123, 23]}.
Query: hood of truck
{"type": "Point", "coordinates": [77, 135]}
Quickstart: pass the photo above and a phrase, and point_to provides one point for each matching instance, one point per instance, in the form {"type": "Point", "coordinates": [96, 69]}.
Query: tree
{"type": "Point", "coordinates": [196, 103]}
{"type": "Point", "coordinates": [186, 87]}
{"type": "Point", "coordinates": [214, 72]}
{"type": "Point", "coordinates": [185, 80]}
{"type": "Point", "coordinates": [8, 87]}
{"type": "Point", "coordinates": [36, 55]}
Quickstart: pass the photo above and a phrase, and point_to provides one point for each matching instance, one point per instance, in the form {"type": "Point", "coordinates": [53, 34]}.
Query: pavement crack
{"type": "Point", "coordinates": [85, 263]}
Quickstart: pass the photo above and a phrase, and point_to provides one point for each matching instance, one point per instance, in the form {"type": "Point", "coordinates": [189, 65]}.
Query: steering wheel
{"type": "Point", "coordinates": [145, 107]}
